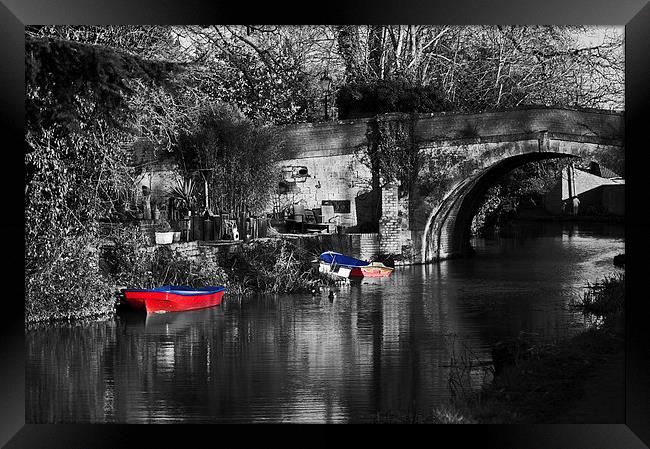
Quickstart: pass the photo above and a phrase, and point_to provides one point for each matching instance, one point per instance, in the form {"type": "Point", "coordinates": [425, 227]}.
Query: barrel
{"type": "Point", "coordinates": [186, 229]}
{"type": "Point", "coordinates": [218, 228]}
{"type": "Point", "coordinates": [197, 227]}
{"type": "Point", "coordinates": [208, 229]}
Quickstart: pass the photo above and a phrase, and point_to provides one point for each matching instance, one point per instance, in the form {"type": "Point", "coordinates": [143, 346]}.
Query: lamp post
{"type": "Point", "coordinates": [325, 83]}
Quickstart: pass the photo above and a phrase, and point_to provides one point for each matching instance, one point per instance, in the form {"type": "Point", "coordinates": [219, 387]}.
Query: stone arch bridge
{"type": "Point", "coordinates": [461, 156]}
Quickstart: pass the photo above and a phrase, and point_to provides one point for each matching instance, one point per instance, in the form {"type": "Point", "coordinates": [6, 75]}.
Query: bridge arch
{"type": "Point", "coordinates": [447, 231]}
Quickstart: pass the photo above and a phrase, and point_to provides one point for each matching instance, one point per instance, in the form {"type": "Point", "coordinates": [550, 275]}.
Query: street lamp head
{"type": "Point", "coordinates": [325, 82]}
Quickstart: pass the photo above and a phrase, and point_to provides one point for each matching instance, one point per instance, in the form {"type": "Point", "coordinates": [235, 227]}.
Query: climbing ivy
{"type": "Point", "coordinates": [392, 153]}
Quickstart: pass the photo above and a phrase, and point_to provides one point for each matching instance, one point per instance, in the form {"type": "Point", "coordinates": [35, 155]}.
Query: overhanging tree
{"type": "Point", "coordinates": [236, 158]}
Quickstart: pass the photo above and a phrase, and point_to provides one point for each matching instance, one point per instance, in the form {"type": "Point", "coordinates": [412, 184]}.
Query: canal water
{"type": "Point", "coordinates": [398, 345]}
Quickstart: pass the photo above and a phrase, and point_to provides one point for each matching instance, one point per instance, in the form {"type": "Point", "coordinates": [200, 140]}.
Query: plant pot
{"type": "Point", "coordinates": [164, 238]}
{"type": "Point", "coordinates": [177, 236]}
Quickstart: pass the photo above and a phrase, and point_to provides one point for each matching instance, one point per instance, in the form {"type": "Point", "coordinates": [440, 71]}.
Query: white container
{"type": "Point", "coordinates": [164, 238]}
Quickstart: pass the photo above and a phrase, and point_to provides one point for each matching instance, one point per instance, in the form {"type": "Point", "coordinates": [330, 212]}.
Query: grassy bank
{"type": "Point", "coordinates": [579, 379]}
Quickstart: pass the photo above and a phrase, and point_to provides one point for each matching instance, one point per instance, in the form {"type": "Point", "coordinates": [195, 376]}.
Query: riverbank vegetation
{"type": "Point", "coordinates": [522, 187]}
{"type": "Point", "coordinates": [545, 382]}
{"type": "Point", "coordinates": [269, 265]}
{"type": "Point", "coordinates": [604, 299]}
{"type": "Point", "coordinates": [78, 110]}
{"type": "Point", "coordinates": [263, 266]}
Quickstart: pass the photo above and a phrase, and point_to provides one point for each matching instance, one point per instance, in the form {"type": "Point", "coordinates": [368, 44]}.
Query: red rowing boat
{"type": "Point", "coordinates": [174, 298]}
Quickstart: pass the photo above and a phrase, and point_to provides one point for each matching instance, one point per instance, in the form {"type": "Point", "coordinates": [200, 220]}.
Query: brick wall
{"type": "Point", "coordinates": [368, 245]}
{"type": "Point", "coordinates": [390, 228]}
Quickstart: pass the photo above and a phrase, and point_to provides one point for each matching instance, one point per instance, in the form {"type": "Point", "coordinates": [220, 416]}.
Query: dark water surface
{"type": "Point", "coordinates": [384, 345]}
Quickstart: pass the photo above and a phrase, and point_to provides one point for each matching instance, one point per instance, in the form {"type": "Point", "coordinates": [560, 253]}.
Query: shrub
{"type": "Point", "coordinates": [274, 266]}
{"type": "Point", "coordinates": [605, 298]}
{"type": "Point", "coordinates": [126, 262]}
{"type": "Point", "coordinates": [72, 286]}
{"type": "Point", "coordinates": [169, 267]}
{"type": "Point", "coordinates": [129, 262]}
{"type": "Point", "coordinates": [237, 159]}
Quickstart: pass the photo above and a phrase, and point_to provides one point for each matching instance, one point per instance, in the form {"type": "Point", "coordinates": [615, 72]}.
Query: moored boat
{"type": "Point", "coordinates": [169, 298]}
{"type": "Point", "coordinates": [349, 267]}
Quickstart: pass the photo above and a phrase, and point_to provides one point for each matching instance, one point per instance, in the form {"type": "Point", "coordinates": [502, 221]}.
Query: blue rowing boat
{"type": "Point", "coordinates": [346, 266]}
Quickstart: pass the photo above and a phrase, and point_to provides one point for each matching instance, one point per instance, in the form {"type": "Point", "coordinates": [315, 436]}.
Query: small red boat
{"type": "Point", "coordinates": [349, 267]}
{"type": "Point", "coordinates": [170, 298]}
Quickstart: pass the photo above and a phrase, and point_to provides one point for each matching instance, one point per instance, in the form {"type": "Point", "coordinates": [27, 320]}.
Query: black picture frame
{"type": "Point", "coordinates": [634, 14]}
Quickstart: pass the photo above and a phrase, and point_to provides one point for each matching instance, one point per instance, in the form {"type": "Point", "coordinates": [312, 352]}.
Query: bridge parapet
{"type": "Point", "coordinates": [343, 137]}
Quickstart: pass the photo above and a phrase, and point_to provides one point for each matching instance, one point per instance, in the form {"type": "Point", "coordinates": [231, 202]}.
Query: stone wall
{"type": "Point", "coordinates": [363, 246]}
{"type": "Point", "coordinates": [158, 172]}
{"type": "Point", "coordinates": [160, 179]}
{"type": "Point", "coordinates": [339, 177]}
{"type": "Point", "coordinates": [197, 248]}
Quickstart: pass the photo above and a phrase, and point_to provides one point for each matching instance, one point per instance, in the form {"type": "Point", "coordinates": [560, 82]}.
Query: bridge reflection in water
{"type": "Point", "coordinates": [381, 345]}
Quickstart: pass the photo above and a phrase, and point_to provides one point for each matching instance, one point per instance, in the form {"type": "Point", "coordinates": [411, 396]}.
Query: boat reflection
{"type": "Point", "coordinates": [176, 322]}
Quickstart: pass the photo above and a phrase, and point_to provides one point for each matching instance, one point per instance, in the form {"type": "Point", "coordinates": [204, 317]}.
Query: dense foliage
{"type": "Point", "coordinates": [524, 186]}
{"type": "Point", "coordinates": [271, 73]}
{"type": "Point", "coordinates": [236, 158]}
{"type": "Point", "coordinates": [367, 99]}
{"type": "Point", "coordinates": [476, 68]}
{"type": "Point", "coordinates": [71, 285]}
{"type": "Point", "coordinates": [78, 125]}
{"type": "Point", "coordinates": [392, 152]}
{"type": "Point", "coordinates": [273, 266]}
{"type": "Point", "coordinates": [262, 266]}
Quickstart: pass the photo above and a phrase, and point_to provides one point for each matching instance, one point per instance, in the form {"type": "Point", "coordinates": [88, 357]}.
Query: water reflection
{"type": "Point", "coordinates": [381, 345]}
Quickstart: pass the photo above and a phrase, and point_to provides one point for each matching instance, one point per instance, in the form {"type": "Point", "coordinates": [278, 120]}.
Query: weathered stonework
{"type": "Point", "coordinates": [333, 177]}
{"type": "Point", "coordinates": [463, 154]}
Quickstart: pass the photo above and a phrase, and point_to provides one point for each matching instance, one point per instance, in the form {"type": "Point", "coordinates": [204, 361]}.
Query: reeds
{"type": "Point", "coordinates": [273, 266]}
{"type": "Point", "coordinates": [605, 298]}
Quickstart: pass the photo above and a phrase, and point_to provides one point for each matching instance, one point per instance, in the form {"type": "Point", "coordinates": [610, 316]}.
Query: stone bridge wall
{"type": "Point", "coordinates": [456, 147]}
